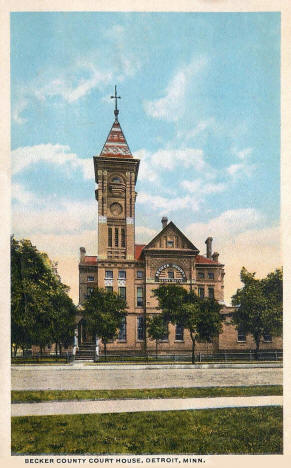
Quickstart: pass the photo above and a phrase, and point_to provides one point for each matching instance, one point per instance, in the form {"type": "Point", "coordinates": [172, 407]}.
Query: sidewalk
{"type": "Point", "coordinates": [89, 365]}
{"type": "Point", "coordinates": [130, 406]}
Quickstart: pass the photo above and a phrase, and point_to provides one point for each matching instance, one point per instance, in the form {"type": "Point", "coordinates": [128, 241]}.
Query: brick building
{"type": "Point", "coordinates": [135, 270]}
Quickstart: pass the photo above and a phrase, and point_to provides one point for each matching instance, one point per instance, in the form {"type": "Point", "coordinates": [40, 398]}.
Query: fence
{"type": "Point", "coordinates": [246, 356]}
{"type": "Point", "coordinates": [276, 355]}
{"type": "Point", "coordinates": [28, 357]}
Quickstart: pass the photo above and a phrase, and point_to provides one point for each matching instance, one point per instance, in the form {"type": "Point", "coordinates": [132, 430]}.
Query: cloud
{"type": "Point", "coordinates": [243, 168]}
{"type": "Point", "coordinates": [46, 218]}
{"type": "Point", "coordinates": [169, 159]}
{"type": "Point", "coordinates": [171, 106]}
{"type": "Point", "coordinates": [144, 234]}
{"type": "Point", "coordinates": [242, 154]}
{"type": "Point", "coordinates": [20, 194]}
{"type": "Point", "coordinates": [146, 171]}
{"type": "Point", "coordinates": [227, 225]}
{"type": "Point", "coordinates": [240, 170]}
{"type": "Point", "coordinates": [17, 108]}
{"type": "Point", "coordinates": [197, 130]}
{"type": "Point", "coordinates": [200, 187]}
{"type": "Point", "coordinates": [58, 155]}
{"type": "Point", "coordinates": [127, 60]}
{"type": "Point", "coordinates": [240, 242]}
{"type": "Point", "coordinates": [160, 204]}
{"type": "Point", "coordinates": [71, 89]}
{"type": "Point", "coordinates": [256, 249]}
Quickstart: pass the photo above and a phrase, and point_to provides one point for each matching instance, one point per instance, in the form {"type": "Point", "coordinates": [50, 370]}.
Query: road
{"type": "Point", "coordinates": [88, 378]}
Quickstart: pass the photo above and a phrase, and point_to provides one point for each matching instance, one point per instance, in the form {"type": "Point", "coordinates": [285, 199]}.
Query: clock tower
{"type": "Point", "coordinates": [116, 174]}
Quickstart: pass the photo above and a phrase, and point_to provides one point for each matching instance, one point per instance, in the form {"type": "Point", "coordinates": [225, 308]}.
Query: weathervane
{"type": "Point", "coordinates": [116, 111]}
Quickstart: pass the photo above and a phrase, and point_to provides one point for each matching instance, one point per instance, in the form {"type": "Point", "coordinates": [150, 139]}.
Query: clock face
{"type": "Point", "coordinates": [116, 209]}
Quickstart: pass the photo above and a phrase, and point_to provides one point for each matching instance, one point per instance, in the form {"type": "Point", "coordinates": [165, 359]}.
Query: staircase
{"type": "Point", "coordinates": [86, 352]}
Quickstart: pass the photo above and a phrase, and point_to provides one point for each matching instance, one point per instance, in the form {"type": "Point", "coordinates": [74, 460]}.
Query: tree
{"type": "Point", "coordinates": [259, 305]}
{"type": "Point", "coordinates": [200, 316]}
{"type": "Point", "coordinates": [63, 323]}
{"type": "Point", "coordinates": [39, 301]}
{"type": "Point", "coordinates": [30, 307]}
{"type": "Point", "coordinates": [104, 312]}
{"type": "Point", "coordinates": [157, 329]}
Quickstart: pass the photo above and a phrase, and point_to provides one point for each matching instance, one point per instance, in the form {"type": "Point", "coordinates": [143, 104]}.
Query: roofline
{"type": "Point", "coordinates": [179, 231]}
{"type": "Point", "coordinates": [116, 120]}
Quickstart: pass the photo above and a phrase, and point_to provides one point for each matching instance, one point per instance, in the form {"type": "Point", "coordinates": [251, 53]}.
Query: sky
{"type": "Point", "coordinates": [200, 107]}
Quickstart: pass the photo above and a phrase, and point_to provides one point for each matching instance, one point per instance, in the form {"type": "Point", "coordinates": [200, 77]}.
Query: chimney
{"type": "Point", "coordinates": [215, 256]}
{"type": "Point", "coordinates": [82, 254]}
{"type": "Point", "coordinates": [164, 221]}
{"type": "Point", "coordinates": [208, 243]}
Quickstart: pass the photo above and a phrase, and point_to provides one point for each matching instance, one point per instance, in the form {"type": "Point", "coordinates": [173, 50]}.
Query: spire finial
{"type": "Point", "coordinates": [116, 111]}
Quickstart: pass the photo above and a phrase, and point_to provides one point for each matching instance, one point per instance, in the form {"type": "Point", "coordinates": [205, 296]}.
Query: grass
{"type": "Point", "coordinates": [192, 392]}
{"type": "Point", "coordinates": [39, 361]}
{"type": "Point", "coordinates": [153, 363]}
{"type": "Point", "coordinates": [221, 431]}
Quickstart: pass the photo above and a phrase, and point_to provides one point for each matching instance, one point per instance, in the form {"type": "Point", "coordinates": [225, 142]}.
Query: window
{"type": "Point", "coordinates": [90, 278]}
{"type": "Point", "coordinates": [108, 274]}
{"type": "Point", "coordinates": [170, 243]}
{"type": "Point", "coordinates": [110, 237]}
{"type": "Point", "coordinates": [116, 237]}
{"type": "Point", "coordinates": [201, 293]}
{"type": "Point", "coordinates": [139, 274]}
{"type": "Point", "coordinates": [201, 275]}
{"type": "Point", "coordinates": [267, 338]}
{"type": "Point", "coordinates": [122, 274]}
{"type": "Point", "coordinates": [170, 274]}
{"type": "Point", "coordinates": [109, 288]}
{"type": "Point", "coordinates": [211, 275]}
{"type": "Point", "coordinates": [165, 337]}
{"type": "Point", "coordinates": [122, 292]}
{"type": "Point", "coordinates": [140, 328]}
{"type": "Point", "coordinates": [241, 336]}
{"type": "Point", "coordinates": [179, 333]}
{"type": "Point", "coordinates": [116, 180]}
{"type": "Point", "coordinates": [122, 330]}
{"type": "Point", "coordinates": [139, 297]}
{"type": "Point", "coordinates": [89, 291]}
{"type": "Point", "coordinates": [211, 293]}
{"type": "Point", "coordinates": [122, 237]}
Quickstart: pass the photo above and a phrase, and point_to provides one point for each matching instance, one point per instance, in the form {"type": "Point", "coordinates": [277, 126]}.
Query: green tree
{"type": "Point", "coordinates": [104, 312]}
{"type": "Point", "coordinates": [200, 316]}
{"type": "Point", "coordinates": [259, 305]}
{"type": "Point", "coordinates": [35, 288]}
{"type": "Point", "coordinates": [30, 306]}
{"type": "Point", "coordinates": [157, 329]}
{"type": "Point", "coordinates": [63, 323]}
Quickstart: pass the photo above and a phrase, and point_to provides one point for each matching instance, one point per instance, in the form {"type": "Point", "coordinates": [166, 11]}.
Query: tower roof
{"type": "Point", "coordinates": [116, 145]}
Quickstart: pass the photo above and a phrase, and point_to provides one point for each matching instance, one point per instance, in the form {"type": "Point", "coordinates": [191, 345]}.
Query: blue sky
{"type": "Point", "coordinates": [200, 107]}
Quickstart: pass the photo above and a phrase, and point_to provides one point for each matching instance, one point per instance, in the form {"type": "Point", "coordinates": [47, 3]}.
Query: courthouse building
{"type": "Point", "coordinates": [135, 270]}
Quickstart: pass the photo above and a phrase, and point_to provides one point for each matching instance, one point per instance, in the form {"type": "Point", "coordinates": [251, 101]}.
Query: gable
{"type": "Point", "coordinates": [170, 237]}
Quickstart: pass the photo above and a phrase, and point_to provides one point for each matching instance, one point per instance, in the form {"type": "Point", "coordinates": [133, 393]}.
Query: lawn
{"type": "Point", "coordinates": [195, 392]}
{"type": "Point", "coordinates": [221, 431]}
